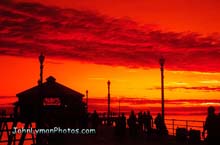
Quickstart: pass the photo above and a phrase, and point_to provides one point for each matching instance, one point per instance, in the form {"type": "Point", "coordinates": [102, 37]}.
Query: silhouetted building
{"type": "Point", "coordinates": [58, 101]}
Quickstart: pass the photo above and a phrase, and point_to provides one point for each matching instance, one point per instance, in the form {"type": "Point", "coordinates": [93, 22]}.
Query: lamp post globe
{"type": "Point", "coordinates": [41, 58]}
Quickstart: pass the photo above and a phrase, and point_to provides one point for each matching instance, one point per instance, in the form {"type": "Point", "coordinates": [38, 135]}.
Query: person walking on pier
{"type": "Point", "coordinates": [120, 128]}
{"type": "Point", "coordinates": [132, 124]}
{"type": "Point", "coordinates": [160, 125]}
{"type": "Point", "coordinates": [84, 119]}
{"type": "Point", "coordinates": [95, 120]}
{"type": "Point", "coordinates": [149, 123]}
{"type": "Point", "coordinates": [210, 126]}
{"type": "Point", "coordinates": [123, 124]}
{"type": "Point", "coordinates": [145, 121]}
{"type": "Point", "coordinates": [140, 121]}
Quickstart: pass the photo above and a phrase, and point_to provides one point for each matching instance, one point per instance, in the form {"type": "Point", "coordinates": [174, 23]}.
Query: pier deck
{"type": "Point", "coordinates": [105, 134]}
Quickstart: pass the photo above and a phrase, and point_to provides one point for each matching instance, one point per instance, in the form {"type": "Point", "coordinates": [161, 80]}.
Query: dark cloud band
{"type": "Point", "coordinates": [26, 29]}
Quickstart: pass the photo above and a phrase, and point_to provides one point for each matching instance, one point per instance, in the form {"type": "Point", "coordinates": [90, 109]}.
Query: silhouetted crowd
{"type": "Point", "coordinates": [212, 126]}
{"type": "Point", "coordinates": [143, 123]}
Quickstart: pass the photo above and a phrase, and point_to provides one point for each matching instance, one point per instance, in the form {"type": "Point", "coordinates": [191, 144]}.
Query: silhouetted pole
{"type": "Point", "coordinates": [41, 60]}
{"type": "Point", "coordinates": [108, 117]}
{"type": "Point", "coordinates": [40, 111]}
{"type": "Point", "coordinates": [87, 94]}
{"type": "Point", "coordinates": [162, 61]}
{"type": "Point", "coordinates": [119, 107]}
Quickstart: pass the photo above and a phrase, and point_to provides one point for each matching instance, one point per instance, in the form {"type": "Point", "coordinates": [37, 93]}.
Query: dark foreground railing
{"type": "Point", "coordinates": [174, 124]}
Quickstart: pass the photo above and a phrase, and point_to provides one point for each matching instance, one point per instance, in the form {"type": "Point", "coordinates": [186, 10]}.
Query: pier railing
{"type": "Point", "coordinates": [173, 124]}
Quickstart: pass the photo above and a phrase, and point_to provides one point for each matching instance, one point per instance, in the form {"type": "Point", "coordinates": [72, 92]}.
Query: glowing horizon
{"type": "Point", "coordinates": [140, 82]}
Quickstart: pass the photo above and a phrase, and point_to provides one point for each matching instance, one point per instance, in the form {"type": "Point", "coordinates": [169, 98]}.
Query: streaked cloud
{"type": "Point", "coordinates": [173, 107]}
{"type": "Point", "coordinates": [198, 88]}
{"type": "Point", "coordinates": [176, 83]}
{"type": "Point", "coordinates": [97, 78]}
{"type": "Point", "coordinates": [210, 82]}
{"type": "Point", "coordinates": [26, 29]}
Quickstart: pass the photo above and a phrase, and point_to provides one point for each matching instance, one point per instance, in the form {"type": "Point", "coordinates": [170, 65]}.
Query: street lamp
{"type": "Point", "coordinates": [108, 83]}
{"type": "Point", "coordinates": [39, 121]}
{"type": "Point", "coordinates": [87, 94]}
{"type": "Point", "coordinates": [162, 61]}
{"type": "Point", "coordinates": [41, 60]}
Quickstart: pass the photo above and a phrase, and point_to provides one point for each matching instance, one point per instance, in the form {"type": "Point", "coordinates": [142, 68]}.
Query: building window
{"type": "Point", "coordinates": [52, 102]}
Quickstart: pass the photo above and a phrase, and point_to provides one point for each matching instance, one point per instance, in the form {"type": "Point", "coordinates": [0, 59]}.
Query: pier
{"type": "Point", "coordinates": [7, 123]}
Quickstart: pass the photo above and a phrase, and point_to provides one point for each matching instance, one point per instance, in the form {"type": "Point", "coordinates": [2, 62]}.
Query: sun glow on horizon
{"type": "Point", "coordinates": [125, 82]}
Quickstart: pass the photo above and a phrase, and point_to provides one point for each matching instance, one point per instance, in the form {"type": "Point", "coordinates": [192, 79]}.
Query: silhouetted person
{"type": "Point", "coordinates": [149, 122]}
{"type": "Point", "coordinates": [95, 120]}
{"type": "Point", "coordinates": [210, 126]}
{"type": "Point", "coordinates": [157, 121]}
{"type": "Point", "coordinates": [144, 116]}
{"type": "Point", "coordinates": [121, 126]}
{"type": "Point", "coordinates": [160, 125]}
{"type": "Point", "coordinates": [117, 126]}
{"type": "Point", "coordinates": [140, 121]}
{"type": "Point", "coordinates": [84, 119]}
{"type": "Point", "coordinates": [132, 124]}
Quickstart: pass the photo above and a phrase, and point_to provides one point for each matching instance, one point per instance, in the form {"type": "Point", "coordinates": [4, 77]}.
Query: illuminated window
{"type": "Point", "coordinates": [52, 102]}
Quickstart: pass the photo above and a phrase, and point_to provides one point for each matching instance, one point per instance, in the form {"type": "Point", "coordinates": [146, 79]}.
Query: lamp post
{"type": "Point", "coordinates": [41, 60]}
{"type": "Point", "coordinates": [87, 92]}
{"type": "Point", "coordinates": [39, 122]}
{"type": "Point", "coordinates": [119, 107]}
{"type": "Point", "coordinates": [162, 61]}
{"type": "Point", "coordinates": [108, 117]}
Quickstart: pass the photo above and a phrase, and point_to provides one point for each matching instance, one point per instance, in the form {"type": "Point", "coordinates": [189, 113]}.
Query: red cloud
{"type": "Point", "coordinates": [199, 88]}
{"type": "Point", "coordinates": [199, 107]}
{"type": "Point", "coordinates": [29, 28]}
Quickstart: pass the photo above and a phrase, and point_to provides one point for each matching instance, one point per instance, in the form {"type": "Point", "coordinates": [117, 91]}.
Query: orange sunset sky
{"type": "Point", "coordinates": [88, 42]}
